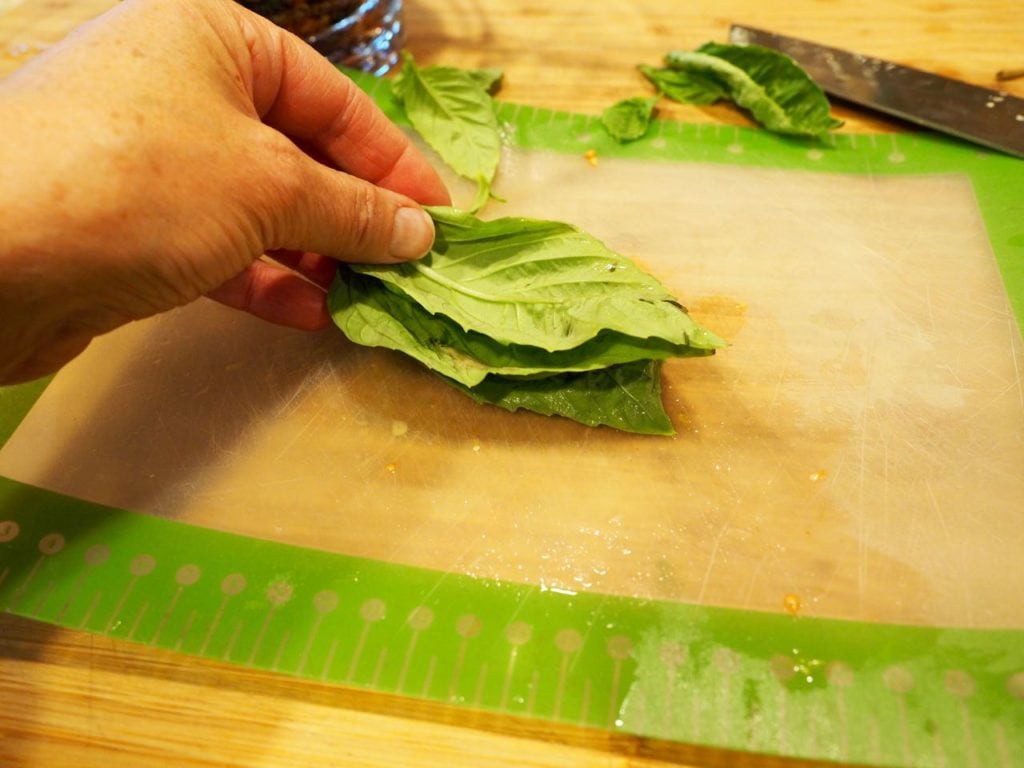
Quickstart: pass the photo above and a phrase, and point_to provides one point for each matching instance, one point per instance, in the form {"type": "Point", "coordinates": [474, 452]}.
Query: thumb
{"type": "Point", "coordinates": [347, 218]}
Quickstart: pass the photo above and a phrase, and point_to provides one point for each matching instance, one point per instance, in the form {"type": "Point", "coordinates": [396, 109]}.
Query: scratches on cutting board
{"type": "Point", "coordinates": [868, 335]}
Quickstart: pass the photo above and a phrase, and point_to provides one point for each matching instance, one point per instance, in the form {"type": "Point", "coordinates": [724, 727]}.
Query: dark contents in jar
{"type": "Point", "coordinates": [303, 17]}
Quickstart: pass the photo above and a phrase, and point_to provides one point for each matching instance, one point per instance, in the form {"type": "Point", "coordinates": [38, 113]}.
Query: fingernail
{"type": "Point", "coordinates": [412, 234]}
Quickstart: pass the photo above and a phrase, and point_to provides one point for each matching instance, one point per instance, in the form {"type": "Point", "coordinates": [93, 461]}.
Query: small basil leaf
{"type": "Point", "coordinates": [454, 114]}
{"type": "Point", "coordinates": [629, 119]}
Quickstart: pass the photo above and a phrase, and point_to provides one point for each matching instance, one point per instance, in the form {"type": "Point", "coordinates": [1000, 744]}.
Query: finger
{"type": "Point", "coordinates": [298, 92]}
{"type": "Point", "coordinates": [312, 266]}
{"type": "Point", "coordinates": [275, 295]}
{"type": "Point", "coordinates": [338, 215]}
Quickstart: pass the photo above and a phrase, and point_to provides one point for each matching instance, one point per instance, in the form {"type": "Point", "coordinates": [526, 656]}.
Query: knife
{"type": "Point", "coordinates": [992, 118]}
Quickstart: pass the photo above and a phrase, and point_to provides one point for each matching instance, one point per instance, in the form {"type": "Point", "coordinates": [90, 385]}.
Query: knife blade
{"type": "Point", "coordinates": [992, 118]}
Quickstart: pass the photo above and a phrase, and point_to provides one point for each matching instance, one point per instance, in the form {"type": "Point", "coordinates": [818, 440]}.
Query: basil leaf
{"type": "Point", "coordinates": [454, 114]}
{"type": "Point", "coordinates": [537, 283]}
{"type": "Point", "coordinates": [626, 397]}
{"type": "Point", "coordinates": [685, 86]}
{"type": "Point", "coordinates": [770, 85]}
{"type": "Point", "coordinates": [373, 315]}
{"type": "Point", "coordinates": [629, 119]}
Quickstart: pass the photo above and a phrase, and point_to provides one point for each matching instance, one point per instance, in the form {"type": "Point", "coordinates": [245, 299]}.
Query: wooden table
{"type": "Point", "coordinates": [68, 698]}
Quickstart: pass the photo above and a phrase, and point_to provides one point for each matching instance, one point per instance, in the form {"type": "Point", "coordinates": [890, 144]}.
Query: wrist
{"type": "Point", "coordinates": [45, 313]}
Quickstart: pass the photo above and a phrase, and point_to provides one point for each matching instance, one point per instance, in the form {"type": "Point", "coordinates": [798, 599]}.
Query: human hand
{"type": "Point", "coordinates": [159, 152]}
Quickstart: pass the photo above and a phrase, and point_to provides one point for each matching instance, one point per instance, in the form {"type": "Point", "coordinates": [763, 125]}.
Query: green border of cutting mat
{"type": "Point", "coordinates": [814, 688]}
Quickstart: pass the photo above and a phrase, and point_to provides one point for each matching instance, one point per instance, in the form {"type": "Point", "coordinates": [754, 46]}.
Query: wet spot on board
{"type": "Point", "coordinates": [722, 314]}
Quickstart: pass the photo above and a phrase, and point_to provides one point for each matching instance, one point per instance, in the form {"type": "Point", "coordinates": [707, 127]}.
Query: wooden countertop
{"type": "Point", "coordinates": [68, 698]}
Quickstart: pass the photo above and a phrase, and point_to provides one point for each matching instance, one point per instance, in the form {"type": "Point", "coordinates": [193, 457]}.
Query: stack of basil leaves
{"type": "Point", "coordinates": [519, 313]}
{"type": "Point", "coordinates": [527, 314]}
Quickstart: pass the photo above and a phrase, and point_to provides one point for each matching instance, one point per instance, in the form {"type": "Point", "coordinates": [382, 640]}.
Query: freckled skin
{"type": "Point", "coordinates": [154, 156]}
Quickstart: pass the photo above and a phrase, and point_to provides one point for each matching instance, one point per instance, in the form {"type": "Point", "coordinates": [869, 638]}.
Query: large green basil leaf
{"type": "Point", "coordinates": [626, 397]}
{"type": "Point", "coordinates": [372, 314]}
{"type": "Point", "coordinates": [451, 109]}
{"type": "Point", "coordinates": [537, 283]}
{"type": "Point", "coordinates": [779, 94]}
{"type": "Point", "coordinates": [685, 86]}
{"type": "Point", "coordinates": [629, 119]}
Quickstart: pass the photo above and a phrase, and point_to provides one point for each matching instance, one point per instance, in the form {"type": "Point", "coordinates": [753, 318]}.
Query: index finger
{"type": "Point", "coordinates": [298, 92]}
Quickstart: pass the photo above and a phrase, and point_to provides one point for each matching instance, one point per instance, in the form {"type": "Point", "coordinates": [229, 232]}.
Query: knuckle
{"type": "Point", "coordinates": [279, 202]}
{"type": "Point", "coordinates": [363, 217]}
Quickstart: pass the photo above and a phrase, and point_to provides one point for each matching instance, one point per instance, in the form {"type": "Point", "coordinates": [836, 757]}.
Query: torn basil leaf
{"type": "Point", "coordinates": [451, 109]}
{"type": "Point", "coordinates": [629, 119]}
{"type": "Point", "coordinates": [526, 313]}
{"type": "Point", "coordinates": [776, 91]}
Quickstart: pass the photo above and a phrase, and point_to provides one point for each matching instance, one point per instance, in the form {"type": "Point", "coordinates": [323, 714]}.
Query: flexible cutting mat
{"type": "Point", "coordinates": [820, 564]}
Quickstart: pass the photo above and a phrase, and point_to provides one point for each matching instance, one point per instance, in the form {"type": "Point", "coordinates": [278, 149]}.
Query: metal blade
{"type": "Point", "coordinates": [992, 118]}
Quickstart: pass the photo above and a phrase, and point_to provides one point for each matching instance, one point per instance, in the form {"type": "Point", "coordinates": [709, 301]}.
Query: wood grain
{"type": "Point", "coordinates": [68, 698]}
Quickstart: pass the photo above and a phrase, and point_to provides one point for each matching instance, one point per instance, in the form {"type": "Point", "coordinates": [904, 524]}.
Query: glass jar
{"type": "Point", "coordinates": [361, 34]}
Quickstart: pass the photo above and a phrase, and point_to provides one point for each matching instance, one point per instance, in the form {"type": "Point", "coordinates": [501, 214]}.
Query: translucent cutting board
{"type": "Point", "coordinates": [856, 453]}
